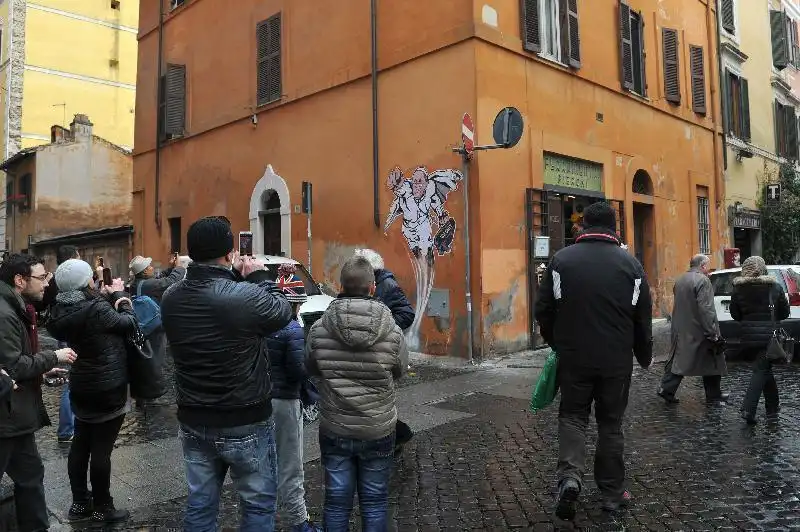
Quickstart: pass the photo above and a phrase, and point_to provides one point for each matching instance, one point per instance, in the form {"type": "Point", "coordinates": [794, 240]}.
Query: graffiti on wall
{"type": "Point", "coordinates": [429, 230]}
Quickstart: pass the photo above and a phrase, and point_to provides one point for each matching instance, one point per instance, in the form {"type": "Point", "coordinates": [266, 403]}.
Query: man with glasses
{"type": "Point", "coordinates": [23, 281]}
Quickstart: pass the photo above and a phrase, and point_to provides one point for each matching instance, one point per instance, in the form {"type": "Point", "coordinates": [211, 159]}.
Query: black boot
{"type": "Point", "coordinates": [80, 511]}
{"type": "Point", "coordinates": [568, 493]}
{"type": "Point", "coordinates": [107, 513]}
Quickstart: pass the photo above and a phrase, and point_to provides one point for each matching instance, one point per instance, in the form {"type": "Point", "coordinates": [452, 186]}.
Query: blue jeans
{"type": "Point", "coordinates": [249, 453]}
{"type": "Point", "coordinates": [66, 420]}
{"type": "Point", "coordinates": [362, 465]}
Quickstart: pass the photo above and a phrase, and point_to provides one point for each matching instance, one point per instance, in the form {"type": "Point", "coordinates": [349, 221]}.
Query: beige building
{"type": "Point", "coordinates": [760, 60]}
{"type": "Point", "coordinates": [74, 190]}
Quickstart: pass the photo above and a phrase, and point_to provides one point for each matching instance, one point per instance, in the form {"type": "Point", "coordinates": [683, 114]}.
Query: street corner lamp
{"type": "Point", "coordinates": [744, 153]}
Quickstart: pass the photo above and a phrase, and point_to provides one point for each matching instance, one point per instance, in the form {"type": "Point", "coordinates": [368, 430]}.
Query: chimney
{"type": "Point", "coordinates": [81, 128]}
{"type": "Point", "coordinates": [58, 134]}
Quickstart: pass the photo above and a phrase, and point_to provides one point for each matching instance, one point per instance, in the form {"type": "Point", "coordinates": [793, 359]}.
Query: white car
{"type": "Point", "coordinates": [786, 276]}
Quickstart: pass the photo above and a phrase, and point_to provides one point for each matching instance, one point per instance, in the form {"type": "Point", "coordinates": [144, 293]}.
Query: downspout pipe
{"type": "Point", "coordinates": [159, 118]}
{"type": "Point", "coordinates": [376, 207]}
{"type": "Point", "coordinates": [716, 96]}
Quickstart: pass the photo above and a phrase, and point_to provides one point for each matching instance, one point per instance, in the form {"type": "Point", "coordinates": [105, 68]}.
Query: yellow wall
{"type": "Point", "coordinates": [68, 62]}
{"type": "Point", "coordinates": [6, 38]}
{"type": "Point", "coordinates": [742, 178]}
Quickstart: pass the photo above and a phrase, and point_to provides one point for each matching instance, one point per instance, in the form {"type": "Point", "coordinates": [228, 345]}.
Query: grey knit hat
{"type": "Point", "coordinates": [73, 274]}
{"type": "Point", "coordinates": [754, 267]}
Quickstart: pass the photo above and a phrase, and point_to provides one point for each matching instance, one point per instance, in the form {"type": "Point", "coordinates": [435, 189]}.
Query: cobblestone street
{"type": "Point", "coordinates": [488, 463]}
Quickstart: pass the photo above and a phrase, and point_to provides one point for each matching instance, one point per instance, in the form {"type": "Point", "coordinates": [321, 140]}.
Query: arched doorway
{"type": "Point", "coordinates": [644, 222]}
{"type": "Point", "coordinates": [270, 215]}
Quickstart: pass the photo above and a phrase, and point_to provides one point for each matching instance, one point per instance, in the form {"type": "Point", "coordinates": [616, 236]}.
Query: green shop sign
{"type": "Point", "coordinates": [572, 173]}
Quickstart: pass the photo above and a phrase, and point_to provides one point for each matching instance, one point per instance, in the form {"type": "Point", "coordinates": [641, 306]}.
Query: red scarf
{"type": "Point", "coordinates": [33, 334]}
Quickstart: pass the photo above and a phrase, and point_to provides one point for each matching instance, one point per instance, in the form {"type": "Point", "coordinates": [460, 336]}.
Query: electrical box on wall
{"type": "Point", "coordinates": [439, 303]}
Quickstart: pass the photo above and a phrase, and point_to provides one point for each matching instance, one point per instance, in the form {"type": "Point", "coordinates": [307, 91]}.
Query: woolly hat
{"type": "Point", "coordinates": [754, 267]}
{"type": "Point", "coordinates": [73, 274]}
{"type": "Point", "coordinates": [374, 258]}
{"type": "Point", "coordinates": [139, 264]}
{"type": "Point", "coordinates": [209, 238]}
{"type": "Point", "coordinates": [293, 288]}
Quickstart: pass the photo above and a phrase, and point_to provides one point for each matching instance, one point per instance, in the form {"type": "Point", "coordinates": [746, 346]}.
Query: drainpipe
{"type": "Point", "coordinates": [376, 207]}
{"type": "Point", "coordinates": [159, 118]}
{"type": "Point", "coordinates": [715, 120]}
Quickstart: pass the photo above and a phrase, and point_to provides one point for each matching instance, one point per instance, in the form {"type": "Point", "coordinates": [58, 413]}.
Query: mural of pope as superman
{"type": "Point", "coordinates": [420, 200]}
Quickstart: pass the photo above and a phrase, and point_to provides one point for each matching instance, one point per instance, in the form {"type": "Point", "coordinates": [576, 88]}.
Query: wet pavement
{"type": "Point", "coordinates": [481, 461]}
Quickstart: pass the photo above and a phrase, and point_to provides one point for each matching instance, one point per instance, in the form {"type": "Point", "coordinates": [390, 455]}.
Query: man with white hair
{"type": "Point", "coordinates": [388, 292]}
{"type": "Point", "coordinates": [696, 341]}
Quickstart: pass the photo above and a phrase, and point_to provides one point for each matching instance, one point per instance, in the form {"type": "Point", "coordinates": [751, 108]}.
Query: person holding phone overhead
{"type": "Point", "coordinates": [146, 283]}
{"type": "Point", "coordinates": [96, 325]}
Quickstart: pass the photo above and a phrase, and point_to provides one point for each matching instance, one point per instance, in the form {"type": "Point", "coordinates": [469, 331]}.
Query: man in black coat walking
{"type": "Point", "coordinates": [595, 310]}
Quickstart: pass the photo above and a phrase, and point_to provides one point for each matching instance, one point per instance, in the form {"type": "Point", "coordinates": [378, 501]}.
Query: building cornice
{"type": "Point", "coordinates": [730, 49]}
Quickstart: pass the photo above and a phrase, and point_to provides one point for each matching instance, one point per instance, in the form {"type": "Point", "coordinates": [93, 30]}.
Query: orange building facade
{"type": "Point", "coordinates": [619, 100]}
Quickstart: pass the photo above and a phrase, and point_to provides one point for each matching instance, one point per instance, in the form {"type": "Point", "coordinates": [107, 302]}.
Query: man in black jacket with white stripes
{"type": "Point", "coordinates": [594, 309]}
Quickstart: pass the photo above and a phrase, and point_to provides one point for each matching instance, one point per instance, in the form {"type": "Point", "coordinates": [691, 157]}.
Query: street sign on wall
{"type": "Point", "coordinates": [773, 192]}
{"type": "Point", "coordinates": [468, 135]}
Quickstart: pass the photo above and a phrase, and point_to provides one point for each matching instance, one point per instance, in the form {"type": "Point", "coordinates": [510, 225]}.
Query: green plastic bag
{"type": "Point", "coordinates": [547, 386]}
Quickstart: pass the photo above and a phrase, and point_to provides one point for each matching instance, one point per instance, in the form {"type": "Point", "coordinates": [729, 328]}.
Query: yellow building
{"type": "Point", "coordinates": [59, 58]}
{"type": "Point", "coordinates": [760, 59]}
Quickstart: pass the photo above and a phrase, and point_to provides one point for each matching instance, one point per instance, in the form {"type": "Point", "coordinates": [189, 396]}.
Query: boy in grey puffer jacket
{"type": "Point", "coordinates": [355, 352]}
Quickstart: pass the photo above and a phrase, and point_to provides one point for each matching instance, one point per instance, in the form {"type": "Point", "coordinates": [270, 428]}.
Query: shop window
{"type": "Point", "coordinates": [703, 220]}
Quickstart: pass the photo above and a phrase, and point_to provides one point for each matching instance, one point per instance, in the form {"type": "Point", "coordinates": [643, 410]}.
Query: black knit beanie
{"type": "Point", "coordinates": [209, 239]}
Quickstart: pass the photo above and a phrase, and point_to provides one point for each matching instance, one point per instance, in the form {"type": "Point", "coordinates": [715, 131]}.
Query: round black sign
{"type": "Point", "coordinates": [507, 129]}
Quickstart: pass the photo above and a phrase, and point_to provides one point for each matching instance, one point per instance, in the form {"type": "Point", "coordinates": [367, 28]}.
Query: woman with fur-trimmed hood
{"type": "Point", "coordinates": [756, 295]}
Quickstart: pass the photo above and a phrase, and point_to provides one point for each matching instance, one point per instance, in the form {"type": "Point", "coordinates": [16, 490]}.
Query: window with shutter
{"type": "Point", "coordinates": [791, 133]}
{"type": "Point", "coordinates": [571, 50]}
{"type": "Point", "coordinates": [173, 102]}
{"type": "Point", "coordinates": [795, 44]}
{"type": "Point", "coordinates": [672, 82]}
{"type": "Point", "coordinates": [268, 45]}
{"type": "Point", "coordinates": [779, 28]}
{"type": "Point", "coordinates": [698, 74]}
{"type": "Point", "coordinates": [727, 102]}
{"type": "Point", "coordinates": [531, 29]}
{"type": "Point", "coordinates": [727, 16]}
{"type": "Point", "coordinates": [744, 104]}
{"type": "Point", "coordinates": [626, 45]}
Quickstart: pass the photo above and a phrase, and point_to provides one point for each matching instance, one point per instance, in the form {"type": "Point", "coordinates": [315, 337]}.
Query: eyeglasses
{"type": "Point", "coordinates": [43, 278]}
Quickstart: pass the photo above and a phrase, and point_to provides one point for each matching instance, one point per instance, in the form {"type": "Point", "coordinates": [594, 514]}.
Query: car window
{"type": "Point", "coordinates": [776, 274]}
{"type": "Point", "coordinates": [312, 289]}
{"type": "Point", "coordinates": [723, 283]}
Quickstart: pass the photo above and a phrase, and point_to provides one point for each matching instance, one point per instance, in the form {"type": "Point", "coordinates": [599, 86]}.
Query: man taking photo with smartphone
{"type": "Point", "coordinates": [23, 280]}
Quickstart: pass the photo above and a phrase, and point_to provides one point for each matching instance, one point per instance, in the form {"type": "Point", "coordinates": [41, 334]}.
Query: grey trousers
{"type": "Point", "coordinates": [288, 417]}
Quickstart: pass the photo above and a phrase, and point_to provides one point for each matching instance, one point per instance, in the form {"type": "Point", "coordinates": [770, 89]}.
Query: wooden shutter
{"type": "Point", "coordinates": [727, 103]}
{"type": "Point", "coordinates": [780, 39]}
{"type": "Point", "coordinates": [795, 43]}
{"type": "Point", "coordinates": [745, 108]}
{"type": "Point", "coordinates": [791, 133]}
{"type": "Point", "coordinates": [569, 14]}
{"type": "Point", "coordinates": [698, 73]}
{"type": "Point", "coordinates": [175, 100]}
{"type": "Point", "coordinates": [530, 26]}
{"type": "Point", "coordinates": [727, 16]}
{"type": "Point", "coordinates": [268, 42]}
{"type": "Point", "coordinates": [625, 45]}
{"type": "Point", "coordinates": [777, 115]}
{"type": "Point", "coordinates": [672, 81]}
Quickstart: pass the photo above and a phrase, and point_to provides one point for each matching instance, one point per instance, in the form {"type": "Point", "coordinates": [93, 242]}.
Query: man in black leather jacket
{"type": "Point", "coordinates": [217, 325]}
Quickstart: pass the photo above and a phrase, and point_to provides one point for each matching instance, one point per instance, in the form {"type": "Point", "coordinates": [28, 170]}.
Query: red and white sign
{"type": "Point", "coordinates": [468, 134]}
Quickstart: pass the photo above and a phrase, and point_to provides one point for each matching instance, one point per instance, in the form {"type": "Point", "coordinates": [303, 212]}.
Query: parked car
{"type": "Point", "coordinates": [787, 276]}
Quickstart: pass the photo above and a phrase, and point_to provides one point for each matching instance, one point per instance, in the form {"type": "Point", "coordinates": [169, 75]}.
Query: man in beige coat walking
{"type": "Point", "coordinates": [696, 343]}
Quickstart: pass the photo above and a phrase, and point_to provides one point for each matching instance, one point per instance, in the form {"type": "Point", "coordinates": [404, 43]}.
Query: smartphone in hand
{"type": "Point", "coordinates": [107, 280]}
{"type": "Point", "coordinates": [246, 243]}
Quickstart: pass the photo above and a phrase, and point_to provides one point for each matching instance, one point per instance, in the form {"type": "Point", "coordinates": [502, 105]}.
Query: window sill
{"type": "Point", "coordinates": [552, 59]}
{"type": "Point", "coordinates": [642, 97]}
{"type": "Point", "coordinates": [260, 105]}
